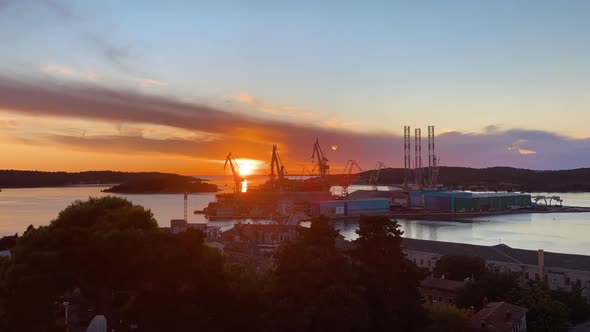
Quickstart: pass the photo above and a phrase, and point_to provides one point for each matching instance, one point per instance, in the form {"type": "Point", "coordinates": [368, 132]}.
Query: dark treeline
{"type": "Point", "coordinates": [107, 256]}
{"type": "Point", "coordinates": [497, 178]}
{"type": "Point", "coordinates": [142, 182]}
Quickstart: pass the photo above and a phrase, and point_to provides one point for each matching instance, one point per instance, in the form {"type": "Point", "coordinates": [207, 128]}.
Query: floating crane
{"type": "Point", "coordinates": [276, 165]}
{"type": "Point", "coordinates": [350, 165]}
{"type": "Point", "coordinates": [374, 178]}
{"type": "Point", "coordinates": [235, 172]}
{"type": "Point", "coordinates": [322, 161]}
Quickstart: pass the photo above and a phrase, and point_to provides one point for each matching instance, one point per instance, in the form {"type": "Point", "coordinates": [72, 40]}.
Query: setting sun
{"type": "Point", "coordinates": [248, 166]}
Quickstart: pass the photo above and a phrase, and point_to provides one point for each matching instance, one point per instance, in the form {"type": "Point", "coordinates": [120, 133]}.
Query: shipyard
{"type": "Point", "coordinates": [346, 195]}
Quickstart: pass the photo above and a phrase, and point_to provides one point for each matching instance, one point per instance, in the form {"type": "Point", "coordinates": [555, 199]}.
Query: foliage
{"type": "Point", "coordinates": [491, 286]}
{"type": "Point", "coordinates": [390, 280]}
{"type": "Point", "coordinates": [544, 312]}
{"type": "Point", "coordinates": [578, 307]}
{"type": "Point", "coordinates": [111, 255]}
{"type": "Point", "coordinates": [459, 267]}
{"type": "Point", "coordinates": [314, 287]}
{"type": "Point", "coordinates": [445, 317]}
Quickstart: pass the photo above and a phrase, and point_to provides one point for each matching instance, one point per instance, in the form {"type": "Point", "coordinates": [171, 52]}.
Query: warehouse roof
{"type": "Point", "coordinates": [500, 253]}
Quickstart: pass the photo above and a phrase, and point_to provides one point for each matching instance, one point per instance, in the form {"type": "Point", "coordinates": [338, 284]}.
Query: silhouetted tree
{"type": "Point", "coordinates": [314, 286]}
{"type": "Point", "coordinates": [445, 317]}
{"type": "Point", "coordinates": [459, 267]}
{"type": "Point", "coordinates": [390, 281]}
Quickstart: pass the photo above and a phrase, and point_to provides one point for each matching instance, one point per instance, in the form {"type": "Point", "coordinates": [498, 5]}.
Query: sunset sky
{"type": "Point", "coordinates": [175, 86]}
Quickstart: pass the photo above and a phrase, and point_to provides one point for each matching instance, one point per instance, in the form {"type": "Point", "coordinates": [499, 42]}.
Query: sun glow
{"type": "Point", "coordinates": [244, 186]}
{"type": "Point", "coordinates": [248, 166]}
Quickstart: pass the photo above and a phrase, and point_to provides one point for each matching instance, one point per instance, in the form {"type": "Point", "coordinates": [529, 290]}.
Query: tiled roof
{"type": "Point", "coordinates": [500, 253]}
{"type": "Point", "coordinates": [501, 315]}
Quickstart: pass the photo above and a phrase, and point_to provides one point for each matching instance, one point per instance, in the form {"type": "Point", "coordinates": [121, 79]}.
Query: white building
{"type": "Point", "coordinates": [557, 270]}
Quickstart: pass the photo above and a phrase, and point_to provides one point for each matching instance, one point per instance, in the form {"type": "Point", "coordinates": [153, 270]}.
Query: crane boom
{"type": "Point", "coordinates": [276, 165]}
{"type": "Point", "coordinates": [350, 165]}
{"type": "Point", "coordinates": [374, 179]}
{"type": "Point", "coordinates": [322, 161]}
{"type": "Point", "coordinates": [235, 171]}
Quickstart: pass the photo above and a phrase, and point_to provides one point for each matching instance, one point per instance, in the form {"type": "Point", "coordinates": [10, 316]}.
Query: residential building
{"type": "Point", "coordinates": [557, 270]}
{"type": "Point", "coordinates": [498, 317]}
{"type": "Point", "coordinates": [266, 236]}
{"type": "Point", "coordinates": [441, 290]}
{"type": "Point", "coordinates": [212, 233]}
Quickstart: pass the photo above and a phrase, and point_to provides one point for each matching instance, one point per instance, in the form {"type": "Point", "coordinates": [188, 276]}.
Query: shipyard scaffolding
{"type": "Point", "coordinates": [432, 160]}
{"type": "Point", "coordinates": [407, 157]}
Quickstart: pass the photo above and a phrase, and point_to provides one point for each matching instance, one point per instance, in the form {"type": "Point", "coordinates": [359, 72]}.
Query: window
{"type": "Point", "coordinates": [428, 262]}
{"type": "Point", "coordinates": [421, 262]}
{"type": "Point", "coordinates": [536, 276]}
{"type": "Point", "coordinates": [526, 275]}
{"type": "Point", "coordinates": [568, 281]}
{"type": "Point", "coordinates": [555, 279]}
{"type": "Point", "coordinates": [579, 283]}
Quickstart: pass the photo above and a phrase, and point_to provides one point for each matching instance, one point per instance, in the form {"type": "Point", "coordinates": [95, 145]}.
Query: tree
{"type": "Point", "coordinates": [491, 285]}
{"type": "Point", "coordinates": [314, 286]}
{"type": "Point", "coordinates": [445, 317]}
{"type": "Point", "coordinates": [108, 246]}
{"type": "Point", "coordinates": [459, 267]}
{"type": "Point", "coordinates": [544, 313]}
{"type": "Point", "coordinates": [578, 307]}
{"type": "Point", "coordinates": [390, 281]}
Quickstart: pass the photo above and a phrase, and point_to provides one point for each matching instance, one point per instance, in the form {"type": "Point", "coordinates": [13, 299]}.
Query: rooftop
{"type": "Point", "coordinates": [501, 315]}
{"type": "Point", "coordinates": [442, 284]}
{"type": "Point", "coordinates": [500, 253]}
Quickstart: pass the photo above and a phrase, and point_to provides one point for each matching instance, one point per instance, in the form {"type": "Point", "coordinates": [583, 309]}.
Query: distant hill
{"type": "Point", "coordinates": [497, 178]}
{"type": "Point", "coordinates": [126, 182]}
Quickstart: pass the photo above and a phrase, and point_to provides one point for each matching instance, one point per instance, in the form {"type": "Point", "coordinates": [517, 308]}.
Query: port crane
{"type": "Point", "coordinates": [276, 165]}
{"type": "Point", "coordinates": [374, 178]}
{"type": "Point", "coordinates": [235, 172]}
{"type": "Point", "coordinates": [322, 161]}
{"type": "Point", "coordinates": [350, 165]}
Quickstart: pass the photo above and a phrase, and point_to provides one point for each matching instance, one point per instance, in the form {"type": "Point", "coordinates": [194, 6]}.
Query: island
{"type": "Point", "coordinates": [119, 182]}
{"type": "Point", "coordinates": [167, 184]}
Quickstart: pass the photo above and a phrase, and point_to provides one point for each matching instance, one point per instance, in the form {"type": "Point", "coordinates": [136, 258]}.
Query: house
{"type": "Point", "coordinates": [266, 236]}
{"type": "Point", "coordinates": [441, 290]}
{"type": "Point", "coordinates": [212, 233]}
{"type": "Point", "coordinates": [498, 316]}
{"type": "Point", "coordinates": [557, 270]}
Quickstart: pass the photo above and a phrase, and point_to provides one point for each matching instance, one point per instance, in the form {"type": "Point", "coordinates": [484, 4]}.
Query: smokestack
{"type": "Point", "coordinates": [541, 263]}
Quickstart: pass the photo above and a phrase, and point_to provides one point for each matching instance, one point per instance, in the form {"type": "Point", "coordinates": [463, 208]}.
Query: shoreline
{"type": "Point", "coordinates": [451, 216]}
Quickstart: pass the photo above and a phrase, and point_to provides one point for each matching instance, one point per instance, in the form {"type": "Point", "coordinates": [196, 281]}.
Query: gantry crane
{"type": "Point", "coordinates": [374, 178]}
{"type": "Point", "coordinates": [350, 165]}
{"type": "Point", "coordinates": [322, 161]}
{"type": "Point", "coordinates": [235, 172]}
{"type": "Point", "coordinates": [276, 165]}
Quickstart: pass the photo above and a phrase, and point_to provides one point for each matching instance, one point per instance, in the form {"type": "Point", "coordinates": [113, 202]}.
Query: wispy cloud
{"type": "Point", "coordinates": [69, 72]}
{"type": "Point", "coordinates": [337, 124]}
{"type": "Point", "coordinates": [148, 82]}
{"type": "Point", "coordinates": [266, 107]}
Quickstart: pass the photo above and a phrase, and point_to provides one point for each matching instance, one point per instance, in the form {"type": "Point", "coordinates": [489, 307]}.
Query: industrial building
{"type": "Point", "coordinates": [347, 208]}
{"type": "Point", "coordinates": [451, 201]}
